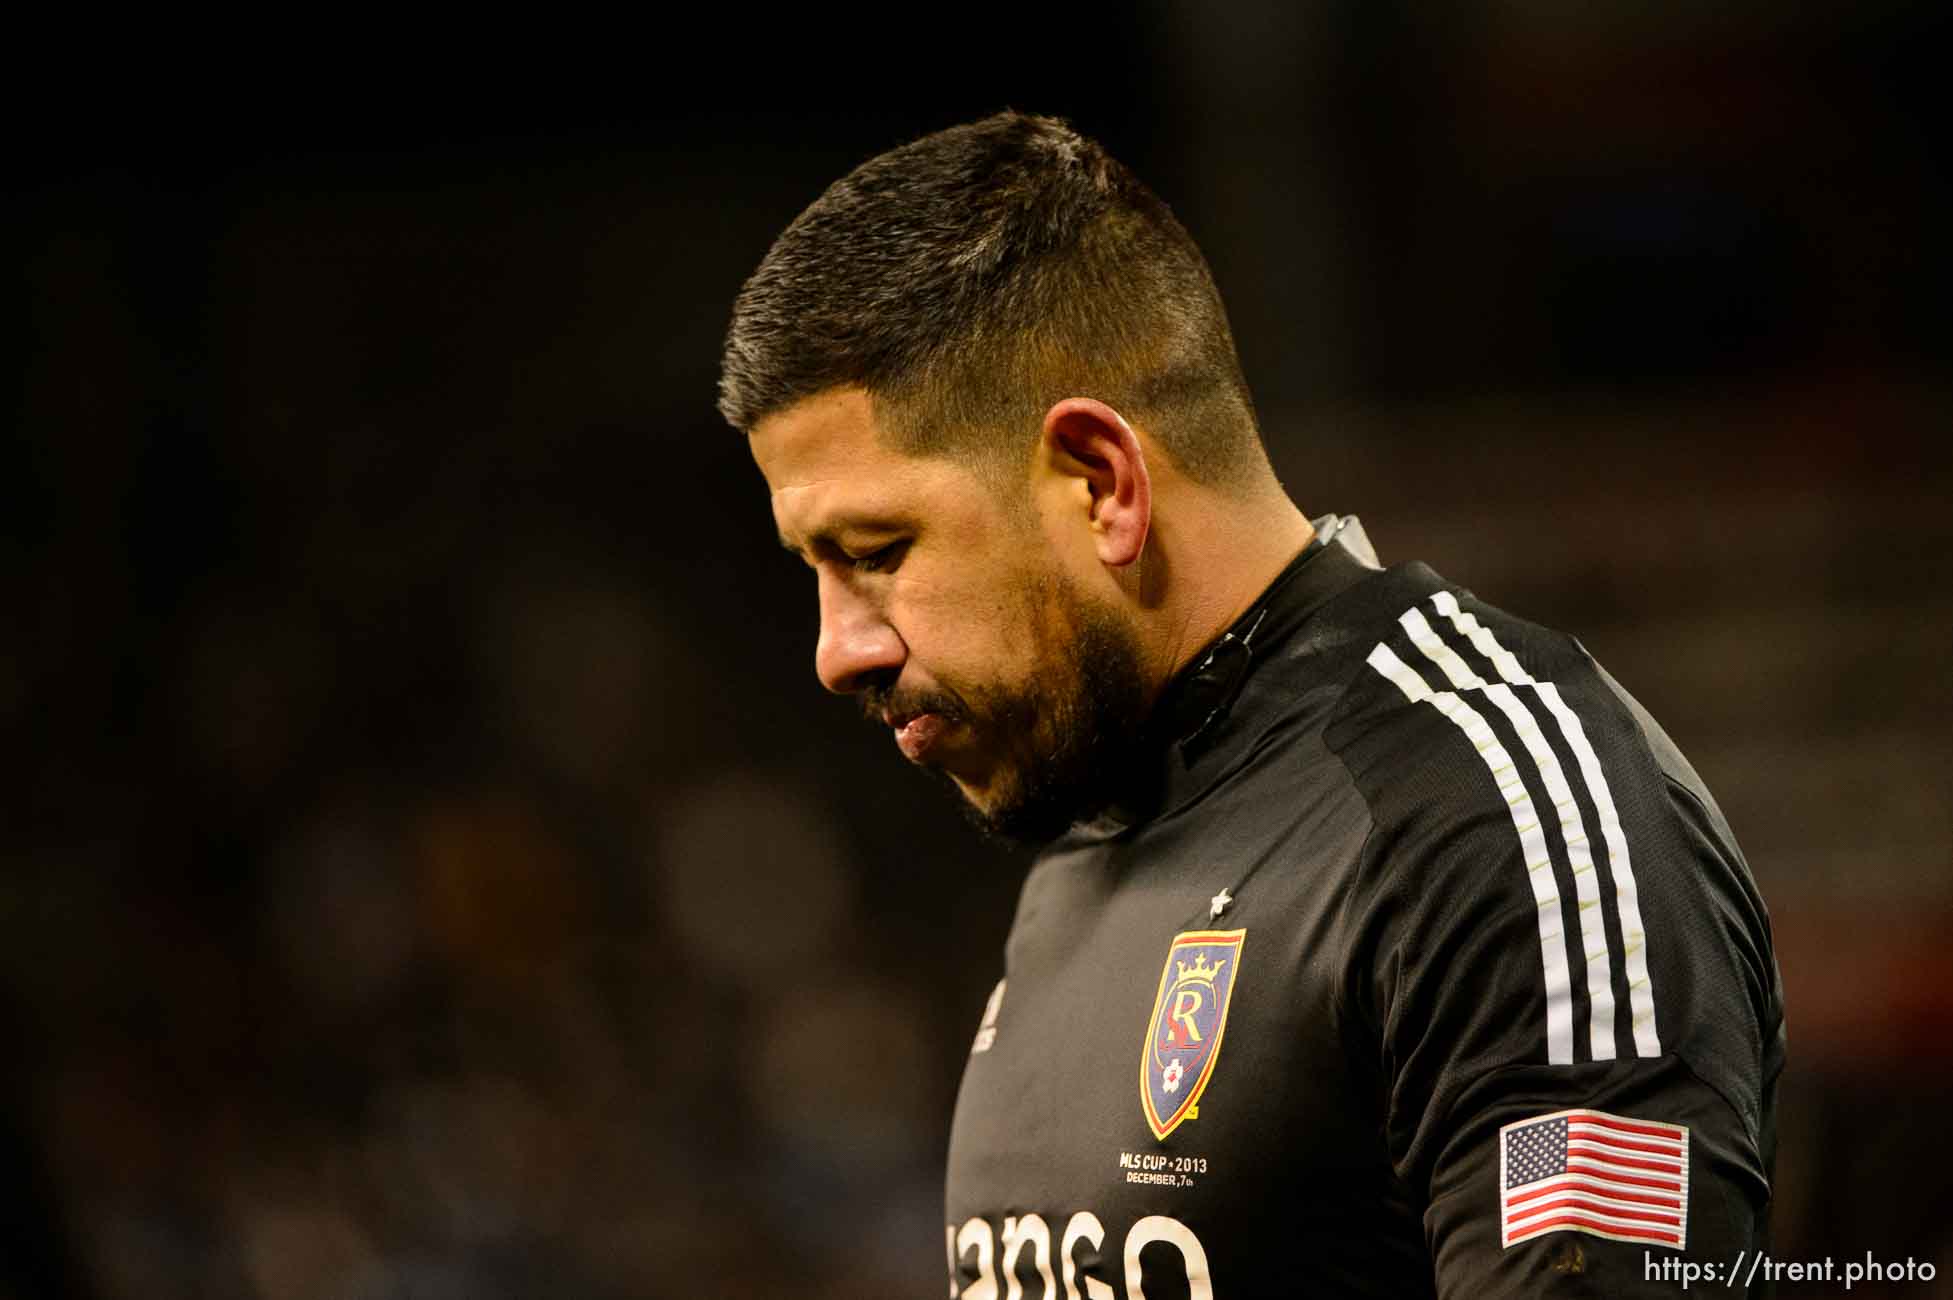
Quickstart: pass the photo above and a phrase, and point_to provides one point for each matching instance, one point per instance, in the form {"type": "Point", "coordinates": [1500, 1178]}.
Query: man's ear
{"type": "Point", "coordinates": [1092, 443]}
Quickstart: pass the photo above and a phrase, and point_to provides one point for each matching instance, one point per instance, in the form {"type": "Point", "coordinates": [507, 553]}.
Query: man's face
{"type": "Point", "coordinates": [952, 619]}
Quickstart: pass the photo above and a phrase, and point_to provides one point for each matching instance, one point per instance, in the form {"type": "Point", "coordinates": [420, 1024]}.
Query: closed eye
{"type": "Point", "coordinates": [882, 560]}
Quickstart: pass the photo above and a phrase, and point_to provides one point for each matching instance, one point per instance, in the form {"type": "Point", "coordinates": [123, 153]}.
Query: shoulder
{"type": "Point", "coordinates": [1456, 708]}
{"type": "Point", "coordinates": [1521, 799]}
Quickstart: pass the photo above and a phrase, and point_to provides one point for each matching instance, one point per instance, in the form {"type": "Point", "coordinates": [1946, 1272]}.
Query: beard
{"type": "Point", "coordinates": [1065, 737]}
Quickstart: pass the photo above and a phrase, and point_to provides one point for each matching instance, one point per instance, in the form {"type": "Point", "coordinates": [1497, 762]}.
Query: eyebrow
{"type": "Point", "coordinates": [829, 533]}
{"type": "Point", "coordinates": [791, 549]}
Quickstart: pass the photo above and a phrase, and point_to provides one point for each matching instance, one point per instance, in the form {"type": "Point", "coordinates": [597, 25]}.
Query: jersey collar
{"type": "Point", "coordinates": [1192, 722]}
{"type": "Point", "coordinates": [1199, 697]}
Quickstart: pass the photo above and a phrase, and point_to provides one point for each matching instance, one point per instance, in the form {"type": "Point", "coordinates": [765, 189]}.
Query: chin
{"type": "Point", "coordinates": [1019, 817]}
{"type": "Point", "coordinates": [996, 808]}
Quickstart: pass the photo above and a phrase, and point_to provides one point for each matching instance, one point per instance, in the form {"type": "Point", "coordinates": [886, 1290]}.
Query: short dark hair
{"type": "Point", "coordinates": [970, 279]}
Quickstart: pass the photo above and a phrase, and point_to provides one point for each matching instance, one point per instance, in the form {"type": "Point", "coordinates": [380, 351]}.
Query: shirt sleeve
{"type": "Point", "coordinates": [1564, 971]}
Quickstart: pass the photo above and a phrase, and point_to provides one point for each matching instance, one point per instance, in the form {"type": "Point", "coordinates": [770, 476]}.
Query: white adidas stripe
{"type": "Point", "coordinates": [1525, 820]}
{"type": "Point", "coordinates": [1641, 990]}
{"type": "Point", "coordinates": [1573, 832]}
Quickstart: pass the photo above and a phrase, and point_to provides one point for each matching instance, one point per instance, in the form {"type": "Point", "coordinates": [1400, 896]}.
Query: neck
{"type": "Point", "coordinates": [1211, 564]}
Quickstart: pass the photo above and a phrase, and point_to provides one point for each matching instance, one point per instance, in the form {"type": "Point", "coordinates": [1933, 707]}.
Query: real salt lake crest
{"type": "Point", "coordinates": [1183, 1039]}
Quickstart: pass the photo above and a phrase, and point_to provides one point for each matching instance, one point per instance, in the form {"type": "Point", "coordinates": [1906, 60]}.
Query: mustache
{"type": "Point", "coordinates": [879, 702]}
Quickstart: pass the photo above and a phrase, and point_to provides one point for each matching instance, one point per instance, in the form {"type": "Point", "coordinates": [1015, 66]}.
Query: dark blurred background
{"type": "Point", "coordinates": [430, 867]}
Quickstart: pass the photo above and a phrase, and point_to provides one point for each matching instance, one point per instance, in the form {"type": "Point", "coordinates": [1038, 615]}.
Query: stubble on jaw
{"type": "Point", "coordinates": [1067, 733]}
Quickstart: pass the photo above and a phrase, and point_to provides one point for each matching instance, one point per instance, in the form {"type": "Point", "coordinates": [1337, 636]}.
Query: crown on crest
{"type": "Point", "coordinates": [1200, 970]}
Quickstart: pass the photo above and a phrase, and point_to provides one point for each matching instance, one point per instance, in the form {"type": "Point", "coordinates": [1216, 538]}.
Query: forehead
{"type": "Point", "coordinates": [828, 467]}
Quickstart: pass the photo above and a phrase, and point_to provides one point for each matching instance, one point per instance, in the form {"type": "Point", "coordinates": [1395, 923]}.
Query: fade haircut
{"type": "Point", "coordinates": [972, 278]}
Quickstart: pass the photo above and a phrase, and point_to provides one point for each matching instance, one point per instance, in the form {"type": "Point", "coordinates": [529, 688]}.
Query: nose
{"type": "Point", "coordinates": [857, 642]}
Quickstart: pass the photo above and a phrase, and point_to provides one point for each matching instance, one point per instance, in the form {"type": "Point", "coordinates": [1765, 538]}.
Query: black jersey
{"type": "Point", "coordinates": [1424, 964]}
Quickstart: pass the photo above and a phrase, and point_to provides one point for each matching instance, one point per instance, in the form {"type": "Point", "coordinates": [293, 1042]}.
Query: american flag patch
{"type": "Point", "coordinates": [1588, 1171]}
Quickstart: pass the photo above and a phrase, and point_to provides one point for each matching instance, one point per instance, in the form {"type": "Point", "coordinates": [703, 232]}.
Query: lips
{"type": "Point", "coordinates": [916, 735]}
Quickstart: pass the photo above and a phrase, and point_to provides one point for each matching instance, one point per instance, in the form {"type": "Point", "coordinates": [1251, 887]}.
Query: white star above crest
{"type": "Point", "coordinates": [1218, 903]}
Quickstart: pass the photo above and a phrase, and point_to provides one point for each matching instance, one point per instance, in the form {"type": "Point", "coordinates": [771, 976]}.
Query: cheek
{"type": "Point", "coordinates": [995, 631]}
{"type": "Point", "coordinates": [1016, 635]}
